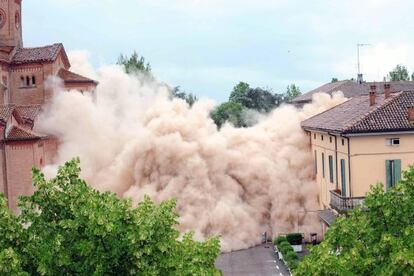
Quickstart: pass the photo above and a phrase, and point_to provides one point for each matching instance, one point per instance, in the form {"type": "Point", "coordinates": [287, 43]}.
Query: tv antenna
{"type": "Point", "coordinates": [359, 45]}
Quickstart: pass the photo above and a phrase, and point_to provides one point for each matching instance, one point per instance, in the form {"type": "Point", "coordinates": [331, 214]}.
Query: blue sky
{"type": "Point", "coordinates": [207, 46]}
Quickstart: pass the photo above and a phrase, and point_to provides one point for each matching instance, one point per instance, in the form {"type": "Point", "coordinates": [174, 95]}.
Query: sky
{"type": "Point", "coordinates": [207, 46]}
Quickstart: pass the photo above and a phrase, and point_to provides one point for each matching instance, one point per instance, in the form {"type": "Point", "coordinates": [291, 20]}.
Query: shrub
{"type": "Point", "coordinates": [292, 255]}
{"type": "Point", "coordinates": [285, 247]}
{"type": "Point", "coordinates": [294, 238]}
{"type": "Point", "coordinates": [279, 240]}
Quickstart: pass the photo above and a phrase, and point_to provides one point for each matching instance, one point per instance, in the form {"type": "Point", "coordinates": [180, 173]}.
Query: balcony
{"type": "Point", "coordinates": [343, 204]}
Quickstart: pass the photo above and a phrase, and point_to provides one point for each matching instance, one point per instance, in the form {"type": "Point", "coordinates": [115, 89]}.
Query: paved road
{"type": "Point", "coordinates": [254, 261]}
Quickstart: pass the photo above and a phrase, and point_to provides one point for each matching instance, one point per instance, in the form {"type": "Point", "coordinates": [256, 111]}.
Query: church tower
{"type": "Point", "coordinates": [11, 23]}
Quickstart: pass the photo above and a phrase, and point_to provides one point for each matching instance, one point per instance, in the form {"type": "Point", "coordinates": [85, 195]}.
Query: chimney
{"type": "Point", "coordinates": [372, 95]}
{"type": "Point", "coordinates": [410, 113]}
{"type": "Point", "coordinates": [387, 90]}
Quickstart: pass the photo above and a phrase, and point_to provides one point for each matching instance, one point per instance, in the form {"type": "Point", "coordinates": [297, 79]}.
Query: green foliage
{"type": "Point", "coordinates": [229, 112]}
{"type": "Point", "coordinates": [294, 238]}
{"type": "Point", "coordinates": [377, 239]}
{"type": "Point", "coordinates": [242, 99]}
{"type": "Point", "coordinates": [72, 229]}
{"type": "Point", "coordinates": [189, 98]}
{"type": "Point", "coordinates": [290, 256]}
{"type": "Point", "coordinates": [400, 73]}
{"type": "Point", "coordinates": [278, 240]}
{"type": "Point", "coordinates": [134, 64]}
{"type": "Point", "coordinates": [334, 80]}
{"type": "Point", "coordinates": [292, 92]}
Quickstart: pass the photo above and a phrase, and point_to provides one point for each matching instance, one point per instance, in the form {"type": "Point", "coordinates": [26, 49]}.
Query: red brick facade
{"type": "Point", "coordinates": [23, 91]}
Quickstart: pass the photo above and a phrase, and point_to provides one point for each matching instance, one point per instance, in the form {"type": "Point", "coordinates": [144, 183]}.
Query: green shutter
{"type": "Point", "coordinates": [388, 173]}
{"type": "Point", "coordinates": [397, 171]}
{"type": "Point", "coordinates": [323, 165]}
{"type": "Point", "coordinates": [343, 177]}
{"type": "Point", "coordinates": [331, 176]}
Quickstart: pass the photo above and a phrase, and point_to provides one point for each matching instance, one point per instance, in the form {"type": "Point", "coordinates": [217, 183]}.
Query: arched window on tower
{"type": "Point", "coordinates": [27, 81]}
{"type": "Point", "coordinates": [33, 81]}
{"type": "Point", "coordinates": [21, 81]}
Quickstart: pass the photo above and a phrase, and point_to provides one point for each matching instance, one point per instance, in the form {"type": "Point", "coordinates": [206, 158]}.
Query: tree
{"type": "Point", "coordinates": [376, 239]}
{"type": "Point", "coordinates": [292, 92]}
{"type": "Point", "coordinates": [412, 76]}
{"type": "Point", "coordinates": [239, 93]}
{"type": "Point", "coordinates": [400, 73]}
{"type": "Point", "coordinates": [334, 80]}
{"type": "Point", "coordinates": [231, 112]}
{"type": "Point", "coordinates": [134, 64]}
{"type": "Point", "coordinates": [68, 228]}
{"type": "Point", "coordinates": [189, 98]}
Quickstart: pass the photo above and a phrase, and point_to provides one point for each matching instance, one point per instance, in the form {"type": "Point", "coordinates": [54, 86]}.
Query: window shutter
{"type": "Point", "coordinates": [397, 170]}
{"type": "Point", "coordinates": [388, 173]}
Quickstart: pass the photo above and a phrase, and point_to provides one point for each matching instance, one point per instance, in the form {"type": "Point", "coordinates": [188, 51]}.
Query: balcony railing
{"type": "Point", "coordinates": [343, 204]}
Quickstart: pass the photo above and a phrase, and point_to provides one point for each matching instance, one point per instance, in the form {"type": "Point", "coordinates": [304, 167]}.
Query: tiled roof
{"type": "Point", "coordinates": [351, 89]}
{"type": "Point", "coordinates": [19, 133]}
{"type": "Point", "coordinates": [39, 54]}
{"type": "Point", "coordinates": [70, 77]}
{"type": "Point", "coordinates": [5, 113]}
{"type": "Point", "coordinates": [26, 113]}
{"type": "Point", "coordinates": [356, 116]}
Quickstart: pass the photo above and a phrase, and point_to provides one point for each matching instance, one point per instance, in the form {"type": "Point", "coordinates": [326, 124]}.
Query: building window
{"type": "Point", "coordinates": [392, 142]}
{"type": "Point", "coordinates": [343, 142]}
{"type": "Point", "coordinates": [27, 81]}
{"type": "Point", "coordinates": [331, 176]}
{"type": "Point", "coordinates": [343, 177]}
{"type": "Point", "coordinates": [22, 82]}
{"type": "Point", "coordinates": [316, 163]}
{"type": "Point", "coordinates": [33, 80]}
{"type": "Point", "coordinates": [314, 136]}
{"type": "Point", "coordinates": [393, 172]}
{"type": "Point", "coordinates": [322, 137]}
{"type": "Point", "coordinates": [323, 165]}
{"type": "Point", "coordinates": [330, 139]}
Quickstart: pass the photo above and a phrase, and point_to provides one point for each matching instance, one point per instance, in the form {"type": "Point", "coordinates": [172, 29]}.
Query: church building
{"type": "Point", "coordinates": [23, 74]}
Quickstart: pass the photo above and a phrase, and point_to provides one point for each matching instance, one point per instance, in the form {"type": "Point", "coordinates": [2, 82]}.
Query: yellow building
{"type": "Point", "coordinates": [366, 140]}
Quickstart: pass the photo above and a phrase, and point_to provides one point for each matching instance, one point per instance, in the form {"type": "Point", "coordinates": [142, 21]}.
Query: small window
{"type": "Point", "coordinates": [27, 81]}
{"type": "Point", "coordinates": [314, 136]}
{"type": "Point", "coordinates": [33, 80]}
{"type": "Point", "coordinates": [330, 139]}
{"type": "Point", "coordinates": [393, 142]}
{"type": "Point", "coordinates": [22, 82]}
{"type": "Point", "coordinates": [343, 142]}
{"type": "Point", "coordinates": [322, 137]}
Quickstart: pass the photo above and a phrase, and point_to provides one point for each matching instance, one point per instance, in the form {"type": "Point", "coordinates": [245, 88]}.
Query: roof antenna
{"type": "Point", "coordinates": [360, 78]}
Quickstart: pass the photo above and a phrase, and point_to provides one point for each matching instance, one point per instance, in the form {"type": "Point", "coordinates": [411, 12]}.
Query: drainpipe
{"type": "Point", "coordinates": [6, 184]}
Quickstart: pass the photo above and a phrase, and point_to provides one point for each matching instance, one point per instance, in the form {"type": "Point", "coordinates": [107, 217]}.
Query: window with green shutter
{"type": "Point", "coordinates": [393, 172]}
{"type": "Point", "coordinates": [323, 165]}
{"type": "Point", "coordinates": [343, 177]}
{"type": "Point", "coordinates": [331, 176]}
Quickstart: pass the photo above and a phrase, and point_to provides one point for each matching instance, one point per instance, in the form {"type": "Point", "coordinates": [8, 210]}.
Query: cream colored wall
{"type": "Point", "coordinates": [327, 146]}
{"type": "Point", "coordinates": [368, 156]}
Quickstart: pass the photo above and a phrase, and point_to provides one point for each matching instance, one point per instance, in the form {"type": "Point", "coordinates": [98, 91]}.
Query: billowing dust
{"type": "Point", "coordinates": [234, 182]}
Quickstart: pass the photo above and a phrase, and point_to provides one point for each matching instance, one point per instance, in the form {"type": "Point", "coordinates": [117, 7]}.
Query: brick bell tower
{"type": "Point", "coordinates": [11, 23]}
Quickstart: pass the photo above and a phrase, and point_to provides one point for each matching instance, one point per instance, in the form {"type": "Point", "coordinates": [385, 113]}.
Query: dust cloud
{"type": "Point", "coordinates": [237, 183]}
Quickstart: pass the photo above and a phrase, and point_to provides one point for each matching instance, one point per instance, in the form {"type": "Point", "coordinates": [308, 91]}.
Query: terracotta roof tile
{"type": "Point", "coordinates": [19, 133]}
{"type": "Point", "coordinates": [356, 116]}
{"type": "Point", "coordinates": [351, 89]}
{"type": "Point", "coordinates": [5, 112]}
{"type": "Point", "coordinates": [39, 54]}
{"type": "Point", "coordinates": [70, 77]}
{"type": "Point", "coordinates": [26, 113]}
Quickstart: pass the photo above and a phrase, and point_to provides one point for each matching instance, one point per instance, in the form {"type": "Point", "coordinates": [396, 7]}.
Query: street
{"type": "Point", "coordinates": [254, 261]}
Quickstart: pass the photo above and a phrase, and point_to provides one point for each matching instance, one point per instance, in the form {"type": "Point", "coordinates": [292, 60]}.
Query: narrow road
{"type": "Point", "coordinates": [254, 261]}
